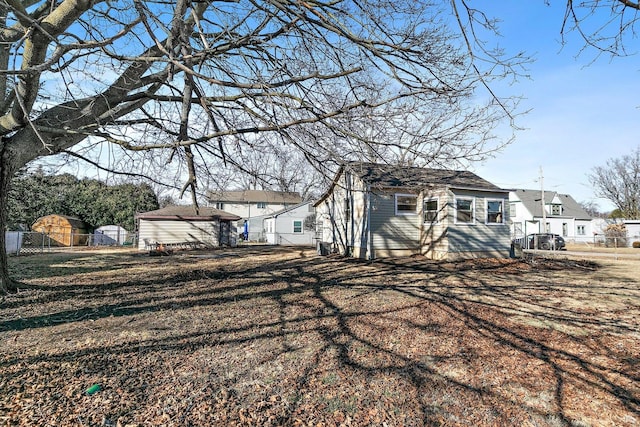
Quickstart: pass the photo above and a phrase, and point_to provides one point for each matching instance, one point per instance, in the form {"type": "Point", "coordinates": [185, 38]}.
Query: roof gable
{"type": "Point", "coordinates": [532, 201]}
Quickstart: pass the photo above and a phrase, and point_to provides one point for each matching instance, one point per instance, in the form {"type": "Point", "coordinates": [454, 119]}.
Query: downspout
{"type": "Point", "coordinates": [369, 232]}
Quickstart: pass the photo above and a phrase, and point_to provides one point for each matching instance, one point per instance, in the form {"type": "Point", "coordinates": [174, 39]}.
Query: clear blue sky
{"type": "Point", "coordinates": [582, 112]}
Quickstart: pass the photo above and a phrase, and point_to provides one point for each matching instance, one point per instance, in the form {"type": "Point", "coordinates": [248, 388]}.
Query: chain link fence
{"type": "Point", "coordinates": [28, 242]}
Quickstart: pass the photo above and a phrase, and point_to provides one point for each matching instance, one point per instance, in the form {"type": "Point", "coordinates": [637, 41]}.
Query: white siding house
{"type": "Point", "coordinates": [253, 206]}
{"type": "Point", "coordinates": [633, 231]}
{"type": "Point", "coordinates": [291, 226]}
{"type": "Point", "coordinates": [562, 215]}
{"type": "Point", "coordinates": [374, 210]}
{"type": "Point", "coordinates": [181, 225]}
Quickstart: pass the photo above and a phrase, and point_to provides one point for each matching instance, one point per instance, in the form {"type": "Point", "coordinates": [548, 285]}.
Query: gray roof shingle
{"type": "Point", "coordinates": [531, 199]}
{"type": "Point", "coordinates": [383, 175]}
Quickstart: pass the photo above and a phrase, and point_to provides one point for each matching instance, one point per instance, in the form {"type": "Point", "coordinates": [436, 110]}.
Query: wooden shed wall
{"type": "Point", "coordinates": [62, 230]}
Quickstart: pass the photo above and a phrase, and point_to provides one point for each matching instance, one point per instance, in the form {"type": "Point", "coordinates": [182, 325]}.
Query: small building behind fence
{"type": "Point", "coordinates": [111, 235]}
{"type": "Point", "coordinates": [63, 230]}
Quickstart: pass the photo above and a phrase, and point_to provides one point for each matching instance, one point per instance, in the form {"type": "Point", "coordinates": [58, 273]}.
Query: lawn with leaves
{"type": "Point", "coordinates": [268, 336]}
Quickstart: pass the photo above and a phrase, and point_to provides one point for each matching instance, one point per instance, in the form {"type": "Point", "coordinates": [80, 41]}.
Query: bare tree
{"type": "Point", "coordinates": [619, 181]}
{"type": "Point", "coordinates": [169, 86]}
{"type": "Point", "coordinates": [186, 82]}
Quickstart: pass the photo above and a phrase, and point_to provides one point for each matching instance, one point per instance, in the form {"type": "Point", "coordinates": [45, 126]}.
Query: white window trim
{"type": "Point", "coordinates": [486, 212]}
{"type": "Point", "coordinates": [395, 199]}
{"type": "Point", "coordinates": [293, 226]}
{"type": "Point", "coordinates": [473, 210]}
{"type": "Point", "coordinates": [424, 211]}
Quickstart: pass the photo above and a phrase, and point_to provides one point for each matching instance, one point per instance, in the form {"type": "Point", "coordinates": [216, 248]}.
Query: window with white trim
{"type": "Point", "coordinates": [465, 208]}
{"type": "Point", "coordinates": [581, 230]}
{"type": "Point", "coordinates": [261, 205]}
{"type": "Point", "coordinates": [297, 226]}
{"type": "Point", "coordinates": [431, 210]}
{"type": "Point", "coordinates": [495, 213]}
{"type": "Point", "coordinates": [220, 205]}
{"type": "Point", "coordinates": [406, 204]}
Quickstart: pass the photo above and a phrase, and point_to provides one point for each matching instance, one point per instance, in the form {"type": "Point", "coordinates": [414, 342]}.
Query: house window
{"type": "Point", "coordinates": [464, 211]}
{"type": "Point", "coordinates": [297, 226]}
{"type": "Point", "coordinates": [431, 210]}
{"type": "Point", "coordinates": [556, 209]}
{"type": "Point", "coordinates": [494, 212]}
{"type": "Point", "coordinates": [512, 210]}
{"type": "Point", "coordinates": [565, 229]}
{"type": "Point", "coordinates": [220, 205]}
{"type": "Point", "coordinates": [581, 230]}
{"type": "Point", "coordinates": [406, 204]}
{"type": "Point", "coordinates": [261, 205]}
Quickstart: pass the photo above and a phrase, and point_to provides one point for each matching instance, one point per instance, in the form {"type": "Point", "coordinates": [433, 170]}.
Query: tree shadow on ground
{"type": "Point", "coordinates": [411, 342]}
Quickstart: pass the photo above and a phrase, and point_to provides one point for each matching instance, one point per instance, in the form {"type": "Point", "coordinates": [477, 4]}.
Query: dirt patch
{"type": "Point", "coordinates": [284, 337]}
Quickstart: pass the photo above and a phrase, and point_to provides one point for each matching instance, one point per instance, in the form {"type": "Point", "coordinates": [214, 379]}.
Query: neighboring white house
{"type": "Point", "coordinates": [253, 206]}
{"type": "Point", "coordinates": [377, 210]}
{"type": "Point", "coordinates": [562, 215]}
{"type": "Point", "coordinates": [633, 231]}
{"type": "Point", "coordinates": [178, 225]}
{"type": "Point", "coordinates": [291, 226]}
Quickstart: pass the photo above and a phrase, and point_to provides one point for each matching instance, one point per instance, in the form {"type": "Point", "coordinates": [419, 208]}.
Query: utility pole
{"type": "Point", "coordinates": [544, 212]}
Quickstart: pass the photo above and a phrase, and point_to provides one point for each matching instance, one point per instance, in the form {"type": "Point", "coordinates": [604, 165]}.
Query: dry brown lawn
{"type": "Point", "coordinates": [267, 336]}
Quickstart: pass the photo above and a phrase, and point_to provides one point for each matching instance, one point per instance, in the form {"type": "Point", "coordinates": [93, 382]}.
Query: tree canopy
{"type": "Point", "coordinates": [34, 195]}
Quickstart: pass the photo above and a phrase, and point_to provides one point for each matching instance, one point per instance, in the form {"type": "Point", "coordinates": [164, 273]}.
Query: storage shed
{"type": "Point", "coordinates": [110, 235]}
{"type": "Point", "coordinates": [61, 229]}
{"type": "Point", "coordinates": [183, 225]}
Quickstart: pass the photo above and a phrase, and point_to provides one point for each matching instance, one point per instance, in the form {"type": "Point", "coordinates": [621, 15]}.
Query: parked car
{"type": "Point", "coordinates": [544, 241]}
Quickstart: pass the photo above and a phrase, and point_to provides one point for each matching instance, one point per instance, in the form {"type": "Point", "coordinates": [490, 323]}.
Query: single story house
{"type": "Point", "coordinates": [292, 226]}
{"type": "Point", "coordinates": [379, 210]}
{"type": "Point", "coordinates": [562, 215]}
{"type": "Point", "coordinates": [62, 230]}
{"type": "Point", "coordinates": [185, 225]}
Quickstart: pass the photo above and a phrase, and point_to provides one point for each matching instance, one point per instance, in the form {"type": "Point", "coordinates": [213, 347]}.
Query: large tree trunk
{"type": "Point", "coordinates": [7, 285]}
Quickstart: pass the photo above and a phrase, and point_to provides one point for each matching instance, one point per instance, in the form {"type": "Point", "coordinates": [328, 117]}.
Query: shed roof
{"type": "Point", "coordinates": [188, 213]}
{"type": "Point", "coordinates": [72, 220]}
{"type": "Point", "coordinates": [255, 196]}
{"type": "Point", "coordinates": [531, 199]}
{"type": "Point", "coordinates": [392, 176]}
